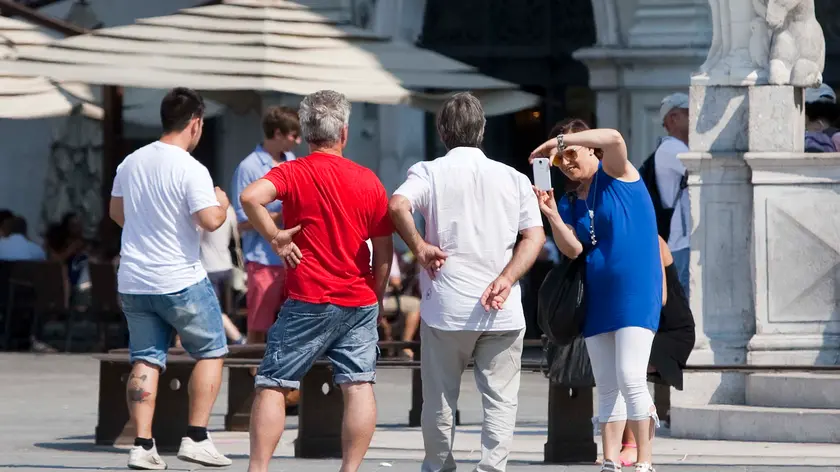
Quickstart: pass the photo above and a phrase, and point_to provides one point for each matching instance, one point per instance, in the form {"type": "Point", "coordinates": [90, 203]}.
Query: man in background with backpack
{"type": "Point", "coordinates": [821, 112]}
{"type": "Point", "coordinates": [666, 179]}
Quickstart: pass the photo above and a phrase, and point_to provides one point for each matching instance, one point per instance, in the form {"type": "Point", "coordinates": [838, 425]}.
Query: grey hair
{"type": "Point", "coordinates": [323, 115]}
{"type": "Point", "coordinates": [460, 121]}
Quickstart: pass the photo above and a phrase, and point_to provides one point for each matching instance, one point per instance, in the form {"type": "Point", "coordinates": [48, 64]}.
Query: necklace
{"type": "Point", "coordinates": [591, 211]}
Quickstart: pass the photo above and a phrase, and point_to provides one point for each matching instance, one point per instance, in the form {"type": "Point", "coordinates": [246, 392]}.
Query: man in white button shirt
{"type": "Point", "coordinates": [671, 179]}
{"type": "Point", "coordinates": [161, 197]}
{"type": "Point", "coordinates": [471, 306]}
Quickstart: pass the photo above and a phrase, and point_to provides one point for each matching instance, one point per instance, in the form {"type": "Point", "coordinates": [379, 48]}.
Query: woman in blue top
{"type": "Point", "coordinates": [609, 219]}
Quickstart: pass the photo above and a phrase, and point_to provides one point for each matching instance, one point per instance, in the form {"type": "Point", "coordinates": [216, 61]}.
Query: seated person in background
{"type": "Point", "coordinates": [5, 218]}
{"type": "Point", "coordinates": [65, 243]}
{"type": "Point", "coordinates": [399, 308]}
{"type": "Point", "coordinates": [17, 246]}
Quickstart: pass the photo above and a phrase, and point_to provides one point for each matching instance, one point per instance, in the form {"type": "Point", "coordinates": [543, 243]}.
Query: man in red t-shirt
{"type": "Point", "coordinates": [332, 207]}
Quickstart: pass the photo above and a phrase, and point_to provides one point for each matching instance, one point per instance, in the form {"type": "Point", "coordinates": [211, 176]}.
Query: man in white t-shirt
{"type": "Point", "coordinates": [671, 179]}
{"type": "Point", "coordinates": [471, 305]}
{"type": "Point", "coordinates": [161, 197]}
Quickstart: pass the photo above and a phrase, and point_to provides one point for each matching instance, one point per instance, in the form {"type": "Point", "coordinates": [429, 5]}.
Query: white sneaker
{"type": "Point", "coordinates": [644, 467]}
{"type": "Point", "coordinates": [610, 466]}
{"type": "Point", "coordinates": [141, 459]}
{"type": "Point", "coordinates": [202, 452]}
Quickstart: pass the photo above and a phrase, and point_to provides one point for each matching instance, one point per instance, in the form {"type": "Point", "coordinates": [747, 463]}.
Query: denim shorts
{"type": "Point", "coordinates": [193, 313]}
{"type": "Point", "coordinates": [304, 332]}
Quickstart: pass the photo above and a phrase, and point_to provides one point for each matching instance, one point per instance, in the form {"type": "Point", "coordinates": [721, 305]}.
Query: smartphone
{"type": "Point", "coordinates": [542, 174]}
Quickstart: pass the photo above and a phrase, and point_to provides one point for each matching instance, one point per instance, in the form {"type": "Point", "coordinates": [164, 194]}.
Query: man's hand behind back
{"type": "Point", "coordinates": [496, 294]}
{"type": "Point", "coordinates": [285, 248]}
{"type": "Point", "coordinates": [430, 258]}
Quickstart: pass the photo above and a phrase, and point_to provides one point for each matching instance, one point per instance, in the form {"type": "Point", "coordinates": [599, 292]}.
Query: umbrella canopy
{"type": "Point", "coordinates": [265, 45]}
{"type": "Point", "coordinates": [25, 96]}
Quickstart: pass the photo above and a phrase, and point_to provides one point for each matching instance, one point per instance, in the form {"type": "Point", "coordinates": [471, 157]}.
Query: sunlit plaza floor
{"type": "Point", "coordinates": [48, 407]}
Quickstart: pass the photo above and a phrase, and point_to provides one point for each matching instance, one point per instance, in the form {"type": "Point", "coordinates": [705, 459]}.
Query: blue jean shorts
{"type": "Point", "coordinates": [193, 313]}
{"type": "Point", "coordinates": [304, 332]}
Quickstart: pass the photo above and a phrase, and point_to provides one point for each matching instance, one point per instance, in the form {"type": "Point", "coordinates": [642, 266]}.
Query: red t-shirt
{"type": "Point", "coordinates": [339, 205]}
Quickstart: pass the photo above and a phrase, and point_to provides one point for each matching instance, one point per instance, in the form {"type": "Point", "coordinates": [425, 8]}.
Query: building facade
{"type": "Point", "coordinates": [606, 61]}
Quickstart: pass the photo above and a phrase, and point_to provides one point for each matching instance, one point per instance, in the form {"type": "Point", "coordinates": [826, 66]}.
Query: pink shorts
{"type": "Point", "coordinates": [266, 294]}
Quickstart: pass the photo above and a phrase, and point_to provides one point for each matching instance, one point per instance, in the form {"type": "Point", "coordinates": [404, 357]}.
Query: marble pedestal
{"type": "Point", "coordinates": [765, 257]}
{"type": "Point", "coordinates": [797, 258]}
{"type": "Point", "coordinates": [721, 274]}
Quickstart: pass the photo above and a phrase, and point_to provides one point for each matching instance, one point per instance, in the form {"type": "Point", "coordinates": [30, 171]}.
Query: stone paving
{"type": "Point", "coordinates": [48, 414]}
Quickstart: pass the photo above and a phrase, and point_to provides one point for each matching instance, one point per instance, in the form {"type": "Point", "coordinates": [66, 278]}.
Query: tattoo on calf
{"type": "Point", "coordinates": [136, 393]}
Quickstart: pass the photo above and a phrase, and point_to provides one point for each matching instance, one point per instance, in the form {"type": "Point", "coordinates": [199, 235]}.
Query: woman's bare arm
{"type": "Point", "coordinates": [667, 259]}
{"type": "Point", "coordinates": [611, 142]}
{"type": "Point", "coordinates": [564, 237]}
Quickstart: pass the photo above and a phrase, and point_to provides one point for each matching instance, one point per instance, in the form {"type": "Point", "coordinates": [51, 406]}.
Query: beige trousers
{"type": "Point", "coordinates": [498, 363]}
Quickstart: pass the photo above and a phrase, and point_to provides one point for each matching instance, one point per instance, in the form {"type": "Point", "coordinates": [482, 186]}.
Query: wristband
{"type": "Point", "coordinates": [561, 145]}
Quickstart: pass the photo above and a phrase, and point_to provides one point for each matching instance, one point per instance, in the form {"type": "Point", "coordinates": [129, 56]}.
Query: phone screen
{"type": "Point", "coordinates": [542, 174]}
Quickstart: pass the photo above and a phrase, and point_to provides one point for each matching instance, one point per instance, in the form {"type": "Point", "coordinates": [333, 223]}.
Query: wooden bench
{"type": "Point", "coordinates": [172, 407]}
{"type": "Point", "coordinates": [320, 410]}
{"type": "Point", "coordinates": [171, 411]}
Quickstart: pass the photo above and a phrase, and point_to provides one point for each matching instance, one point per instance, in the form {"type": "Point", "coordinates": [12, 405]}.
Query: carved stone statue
{"type": "Point", "coordinates": [797, 50]}
{"type": "Point", "coordinates": [778, 42]}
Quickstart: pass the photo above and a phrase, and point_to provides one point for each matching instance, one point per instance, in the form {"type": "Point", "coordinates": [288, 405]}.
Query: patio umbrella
{"type": "Point", "coordinates": [25, 96]}
{"type": "Point", "coordinates": [265, 45]}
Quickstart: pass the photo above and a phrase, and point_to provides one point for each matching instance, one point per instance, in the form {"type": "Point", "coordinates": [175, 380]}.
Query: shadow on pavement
{"type": "Point", "coordinates": [50, 467]}
{"type": "Point", "coordinates": [84, 437]}
{"type": "Point", "coordinates": [77, 447]}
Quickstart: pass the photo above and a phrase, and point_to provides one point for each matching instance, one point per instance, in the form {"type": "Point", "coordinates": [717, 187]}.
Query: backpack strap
{"type": "Point", "coordinates": [683, 186]}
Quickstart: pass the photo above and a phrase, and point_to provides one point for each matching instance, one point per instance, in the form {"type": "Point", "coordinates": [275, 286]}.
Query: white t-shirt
{"type": "Point", "coordinates": [215, 252]}
{"type": "Point", "coordinates": [162, 186]}
{"type": "Point", "coordinates": [474, 209]}
{"type": "Point", "coordinates": [669, 173]}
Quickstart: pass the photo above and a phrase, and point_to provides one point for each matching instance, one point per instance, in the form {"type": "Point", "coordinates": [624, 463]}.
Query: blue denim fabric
{"type": "Point", "coordinates": [254, 167]}
{"type": "Point", "coordinates": [193, 313]}
{"type": "Point", "coordinates": [304, 332]}
{"type": "Point", "coordinates": [682, 260]}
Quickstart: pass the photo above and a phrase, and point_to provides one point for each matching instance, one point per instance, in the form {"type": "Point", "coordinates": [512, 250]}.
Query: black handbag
{"type": "Point", "coordinates": [569, 364]}
{"type": "Point", "coordinates": [560, 301]}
